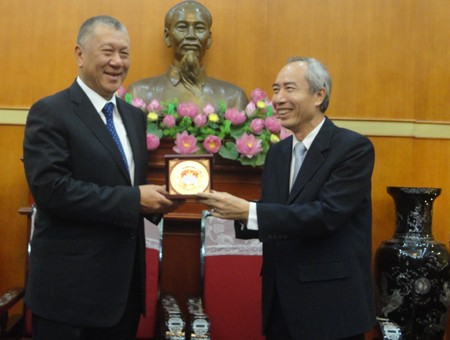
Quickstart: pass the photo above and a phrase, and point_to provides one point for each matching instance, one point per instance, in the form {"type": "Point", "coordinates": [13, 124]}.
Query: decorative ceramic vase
{"type": "Point", "coordinates": [412, 270]}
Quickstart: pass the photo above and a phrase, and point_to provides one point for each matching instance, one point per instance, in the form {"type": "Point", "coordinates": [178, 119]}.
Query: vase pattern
{"type": "Point", "coordinates": [412, 270]}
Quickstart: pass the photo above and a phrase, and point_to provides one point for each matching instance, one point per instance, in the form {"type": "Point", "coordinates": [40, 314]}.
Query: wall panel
{"type": "Point", "coordinates": [388, 59]}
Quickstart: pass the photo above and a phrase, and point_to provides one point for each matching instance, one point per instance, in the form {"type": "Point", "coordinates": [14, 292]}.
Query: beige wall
{"type": "Point", "coordinates": [388, 59]}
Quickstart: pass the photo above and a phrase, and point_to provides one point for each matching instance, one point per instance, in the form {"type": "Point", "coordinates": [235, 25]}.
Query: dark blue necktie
{"type": "Point", "coordinates": [108, 112]}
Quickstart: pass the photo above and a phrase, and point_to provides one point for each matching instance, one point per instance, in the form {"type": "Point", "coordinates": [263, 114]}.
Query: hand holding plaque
{"type": "Point", "coordinates": [187, 175]}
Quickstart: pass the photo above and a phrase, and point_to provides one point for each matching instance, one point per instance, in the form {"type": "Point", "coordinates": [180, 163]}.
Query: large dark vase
{"type": "Point", "coordinates": [412, 270]}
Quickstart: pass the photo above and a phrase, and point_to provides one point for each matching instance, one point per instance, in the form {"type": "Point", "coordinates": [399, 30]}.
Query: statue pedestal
{"type": "Point", "coordinates": [180, 272]}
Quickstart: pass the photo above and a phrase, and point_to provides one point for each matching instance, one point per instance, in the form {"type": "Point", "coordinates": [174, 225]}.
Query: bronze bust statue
{"type": "Point", "coordinates": [187, 31]}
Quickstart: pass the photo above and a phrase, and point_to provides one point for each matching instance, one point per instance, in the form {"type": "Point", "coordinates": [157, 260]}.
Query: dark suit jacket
{"type": "Point", "coordinates": [317, 239]}
{"type": "Point", "coordinates": [88, 228]}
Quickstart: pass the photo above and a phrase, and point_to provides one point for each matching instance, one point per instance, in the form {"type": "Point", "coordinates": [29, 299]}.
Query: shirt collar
{"type": "Point", "coordinates": [309, 139]}
{"type": "Point", "coordinates": [96, 100]}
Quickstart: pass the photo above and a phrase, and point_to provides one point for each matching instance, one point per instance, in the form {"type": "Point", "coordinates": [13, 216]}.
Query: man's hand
{"type": "Point", "coordinates": [153, 200]}
{"type": "Point", "coordinates": [225, 205]}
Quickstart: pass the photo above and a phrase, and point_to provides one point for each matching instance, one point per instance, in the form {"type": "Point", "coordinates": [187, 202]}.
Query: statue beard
{"type": "Point", "coordinates": [190, 70]}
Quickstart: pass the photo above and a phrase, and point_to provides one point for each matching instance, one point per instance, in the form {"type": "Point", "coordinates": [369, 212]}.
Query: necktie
{"type": "Point", "coordinates": [299, 155]}
{"type": "Point", "coordinates": [108, 112]}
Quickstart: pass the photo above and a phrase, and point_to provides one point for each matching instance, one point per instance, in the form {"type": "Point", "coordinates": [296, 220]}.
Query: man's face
{"type": "Point", "coordinates": [189, 31]}
{"type": "Point", "coordinates": [103, 60]}
{"type": "Point", "coordinates": [293, 101]}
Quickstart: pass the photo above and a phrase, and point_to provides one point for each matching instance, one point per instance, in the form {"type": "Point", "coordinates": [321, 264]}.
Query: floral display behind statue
{"type": "Point", "coordinates": [244, 136]}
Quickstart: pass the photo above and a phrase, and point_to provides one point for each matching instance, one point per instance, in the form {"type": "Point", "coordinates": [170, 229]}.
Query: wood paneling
{"type": "Point", "coordinates": [13, 194]}
{"type": "Point", "coordinates": [388, 59]}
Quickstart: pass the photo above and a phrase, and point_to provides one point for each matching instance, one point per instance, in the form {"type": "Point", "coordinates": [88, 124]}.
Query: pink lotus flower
{"type": "Point", "coordinates": [212, 144]}
{"type": "Point", "coordinates": [272, 124]}
{"type": "Point", "coordinates": [169, 121]}
{"type": "Point", "coordinates": [250, 109]}
{"type": "Point", "coordinates": [121, 91]}
{"type": "Point", "coordinates": [152, 142]}
{"type": "Point", "coordinates": [154, 106]}
{"type": "Point", "coordinates": [248, 145]}
{"type": "Point", "coordinates": [235, 116]}
{"type": "Point", "coordinates": [185, 143]}
{"type": "Point", "coordinates": [258, 95]}
{"type": "Point", "coordinates": [187, 109]}
{"type": "Point", "coordinates": [200, 120]}
{"type": "Point", "coordinates": [138, 102]}
{"type": "Point", "coordinates": [208, 109]}
{"type": "Point", "coordinates": [284, 133]}
{"type": "Point", "coordinates": [257, 125]}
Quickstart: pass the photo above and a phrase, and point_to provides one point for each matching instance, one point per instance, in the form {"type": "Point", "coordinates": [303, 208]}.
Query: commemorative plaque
{"type": "Point", "coordinates": [187, 175]}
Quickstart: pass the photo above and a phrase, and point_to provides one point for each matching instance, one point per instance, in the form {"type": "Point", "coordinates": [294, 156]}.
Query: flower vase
{"type": "Point", "coordinates": [412, 270]}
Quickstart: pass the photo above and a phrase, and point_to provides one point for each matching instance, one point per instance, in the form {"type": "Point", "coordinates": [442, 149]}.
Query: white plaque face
{"type": "Point", "coordinates": [187, 176]}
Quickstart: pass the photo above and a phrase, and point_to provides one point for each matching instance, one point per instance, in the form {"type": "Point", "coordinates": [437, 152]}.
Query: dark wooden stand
{"type": "Point", "coordinates": [180, 272]}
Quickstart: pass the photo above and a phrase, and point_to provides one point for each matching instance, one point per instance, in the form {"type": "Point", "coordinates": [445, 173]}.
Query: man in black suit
{"type": "Point", "coordinates": [315, 228]}
{"type": "Point", "coordinates": [87, 174]}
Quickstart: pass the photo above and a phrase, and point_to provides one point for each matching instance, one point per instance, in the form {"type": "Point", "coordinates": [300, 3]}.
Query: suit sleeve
{"type": "Point", "coordinates": [339, 191]}
{"type": "Point", "coordinates": [72, 183]}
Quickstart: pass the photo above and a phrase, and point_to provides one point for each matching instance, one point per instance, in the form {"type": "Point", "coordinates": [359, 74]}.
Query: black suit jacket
{"type": "Point", "coordinates": [317, 238]}
{"type": "Point", "coordinates": [88, 228]}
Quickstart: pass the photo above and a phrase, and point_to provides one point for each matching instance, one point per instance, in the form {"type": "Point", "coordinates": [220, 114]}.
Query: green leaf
{"type": "Point", "coordinates": [236, 132]}
{"type": "Point", "coordinates": [222, 107]}
{"type": "Point", "coordinates": [228, 151]}
{"type": "Point", "coordinates": [153, 129]}
{"type": "Point", "coordinates": [256, 160]}
{"type": "Point", "coordinates": [171, 108]}
{"type": "Point", "coordinates": [128, 98]}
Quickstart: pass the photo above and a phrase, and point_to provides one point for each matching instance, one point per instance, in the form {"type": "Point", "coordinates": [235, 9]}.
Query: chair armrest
{"type": "Point", "coordinates": [10, 298]}
{"type": "Point", "coordinates": [7, 300]}
{"type": "Point", "coordinates": [198, 322]}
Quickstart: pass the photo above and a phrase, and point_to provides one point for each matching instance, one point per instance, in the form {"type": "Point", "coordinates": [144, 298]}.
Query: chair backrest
{"type": "Point", "coordinates": [153, 254]}
{"type": "Point", "coordinates": [231, 281]}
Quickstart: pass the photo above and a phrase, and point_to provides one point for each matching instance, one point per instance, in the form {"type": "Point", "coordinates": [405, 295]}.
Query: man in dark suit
{"type": "Point", "coordinates": [315, 228]}
{"type": "Point", "coordinates": [87, 174]}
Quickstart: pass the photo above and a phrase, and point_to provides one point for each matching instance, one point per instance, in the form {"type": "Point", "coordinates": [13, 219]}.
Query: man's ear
{"type": "Point", "coordinates": [167, 38]}
{"type": "Point", "coordinates": [79, 55]}
{"type": "Point", "coordinates": [209, 42]}
{"type": "Point", "coordinates": [321, 94]}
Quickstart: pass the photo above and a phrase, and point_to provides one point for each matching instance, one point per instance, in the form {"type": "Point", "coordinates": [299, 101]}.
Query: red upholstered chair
{"type": "Point", "coordinates": [231, 281]}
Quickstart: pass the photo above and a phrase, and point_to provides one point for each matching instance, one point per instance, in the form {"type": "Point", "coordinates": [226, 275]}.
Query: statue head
{"type": "Point", "coordinates": [187, 30]}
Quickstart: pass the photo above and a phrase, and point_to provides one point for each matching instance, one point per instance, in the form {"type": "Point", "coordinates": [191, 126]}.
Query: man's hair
{"type": "Point", "coordinates": [317, 77]}
{"type": "Point", "coordinates": [90, 24]}
{"type": "Point", "coordinates": [186, 3]}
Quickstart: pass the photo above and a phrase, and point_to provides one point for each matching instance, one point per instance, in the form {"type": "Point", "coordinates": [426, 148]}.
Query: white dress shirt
{"type": "Point", "coordinates": [99, 102]}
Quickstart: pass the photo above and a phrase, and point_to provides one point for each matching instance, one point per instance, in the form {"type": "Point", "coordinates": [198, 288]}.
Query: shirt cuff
{"type": "Point", "coordinates": [252, 223]}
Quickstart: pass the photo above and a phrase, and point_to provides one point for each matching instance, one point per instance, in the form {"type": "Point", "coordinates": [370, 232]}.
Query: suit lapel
{"type": "Point", "coordinates": [131, 129]}
{"type": "Point", "coordinates": [284, 171]}
{"type": "Point", "coordinates": [83, 107]}
{"type": "Point", "coordinates": [314, 159]}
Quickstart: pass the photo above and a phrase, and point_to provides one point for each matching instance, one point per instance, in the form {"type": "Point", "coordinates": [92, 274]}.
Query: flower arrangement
{"type": "Point", "coordinates": [244, 136]}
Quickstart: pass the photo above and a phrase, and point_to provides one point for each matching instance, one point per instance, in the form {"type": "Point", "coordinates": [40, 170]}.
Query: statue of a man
{"type": "Point", "coordinates": [187, 31]}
